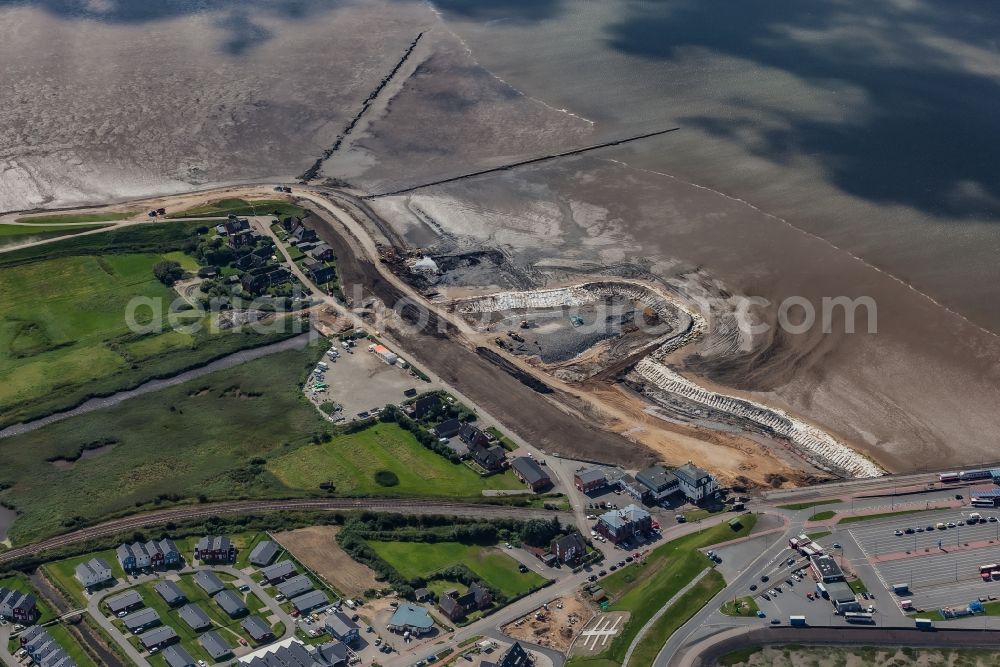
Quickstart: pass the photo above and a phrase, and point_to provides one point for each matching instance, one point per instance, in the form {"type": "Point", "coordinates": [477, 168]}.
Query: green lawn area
{"type": "Point", "coordinates": [805, 506]}
{"type": "Point", "coordinates": [641, 588]}
{"type": "Point", "coordinates": [687, 606]}
{"type": "Point", "coordinates": [883, 515]}
{"type": "Point", "coordinates": [421, 559]}
{"type": "Point", "coordinates": [63, 218]}
{"type": "Point", "coordinates": [857, 586]}
{"type": "Point", "coordinates": [745, 606]}
{"type": "Point", "coordinates": [191, 439]}
{"type": "Point", "coordinates": [63, 330]}
{"type": "Point", "coordinates": [351, 461]}
{"type": "Point", "coordinates": [280, 208]}
{"type": "Point", "coordinates": [702, 513]}
{"type": "Point", "coordinates": [14, 234]}
{"type": "Point", "coordinates": [818, 534]}
{"type": "Point", "coordinates": [187, 262]}
{"type": "Point", "coordinates": [507, 443]}
{"type": "Point", "coordinates": [823, 516]}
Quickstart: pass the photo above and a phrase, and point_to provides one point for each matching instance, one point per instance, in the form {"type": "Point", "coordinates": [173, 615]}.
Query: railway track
{"type": "Point", "coordinates": [397, 505]}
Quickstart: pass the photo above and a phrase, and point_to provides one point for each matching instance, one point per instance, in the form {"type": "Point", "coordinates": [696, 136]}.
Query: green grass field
{"type": "Point", "coordinates": [225, 207]}
{"type": "Point", "coordinates": [420, 559]}
{"type": "Point", "coordinates": [63, 218]}
{"type": "Point", "coordinates": [351, 461]}
{"type": "Point", "coordinates": [883, 515]}
{"type": "Point", "coordinates": [63, 330]}
{"type": "Point", "coordinates": [642, 588]}
{"type": "Point", "coordinates": [807, 505]}
{"type": "Point", "coordinates": [823, 516]}
{"type": "Point", "coordinates": [745, 606]}
{"type": "Point", "coordinates": [68, 641]}
{"type": "Point", "coordinates": [60, 572]}
{"type": "Point", "coordinates": [15, 234]}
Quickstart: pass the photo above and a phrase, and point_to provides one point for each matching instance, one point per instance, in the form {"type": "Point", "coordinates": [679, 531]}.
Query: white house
{"type": "Point", "coordinates": [695, 483]}
{"type": "Point", "coordinates": [93, 573]}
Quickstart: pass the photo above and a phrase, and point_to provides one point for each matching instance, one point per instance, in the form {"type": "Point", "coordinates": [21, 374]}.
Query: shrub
{"type": "Point", "coordinates": [386, 478]}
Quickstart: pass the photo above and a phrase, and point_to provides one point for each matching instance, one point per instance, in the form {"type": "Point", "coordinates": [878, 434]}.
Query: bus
{"type": "Point", "coordinates": [984, 502]}
{"type": "Point", "coordinates": [859, 617]}
{"type": "Point", "coordinates": [982, 473]}
{"type": "Point", "coordinates": [949, 477]}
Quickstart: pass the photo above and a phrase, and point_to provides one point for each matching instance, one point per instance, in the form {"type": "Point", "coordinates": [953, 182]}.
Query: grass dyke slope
{"type": "Point", "coordinates": [63, 334]}
{"type": "Point", "coordinates": [16, 234]}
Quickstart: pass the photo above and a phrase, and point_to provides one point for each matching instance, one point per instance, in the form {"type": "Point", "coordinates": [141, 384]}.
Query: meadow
{"type": "Point", "coordinates": [280, 208]}
{"type": "Point", "coordinates": [351, 463]}
{"type": "Point", "coordinates": [424, 559]}
{"type": "Point", "coordinates": [63, 330]}
{"type": "Point", "coordinates": [63, 218]}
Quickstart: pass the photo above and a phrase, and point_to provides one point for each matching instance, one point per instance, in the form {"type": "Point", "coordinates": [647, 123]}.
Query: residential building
{"type": "Point", "coordinates": [424, 406]}
{"type": "Point", "coordinates": [215, 645]}
{"type": "Point", "coordinates": [588, 480]}
{"type": "Point", "coordinates": [293, 653]}
{"type": "Point", "coordinates": [449, 428]}
{"type": "Point", "coordinates": [241, 240]}
{"type": "Point", "coordinates": [235, 225]}
{"type": "Point", "coordinates": [177, 656]}
{"type": "Point", "coordinates": [142, 555]}
{"type": "Point", "coordinates": [515, 656]}
{"type": "Point", "coordinates": [303, 234]}
{"type": "Point", "coordinates": [195, 617]}
{"type": "Point", "coordinates": [340, 626]}
{"type": "Point", "coordinates": [695, 483]}
{"type": "Point", "coordinates": [318, 272]}
{"type": "Point", "coordinates": [629, 485]}
{"type": "Point", "coordinates": [532, 474]}
{"type": "Point", "coordinates": [94, 572]}
{"type": "Point", "coordinates": [422, 595]}
{"type": "Point", "coordinates": [492, 458]}
{"type": "Point", "coordinates": [17, 606]}
{"type": "Point", "coordinates": [295, 586]}
{"type": "Point", "coordinates": [208, 582]}
{"type": "Point", "coordinates": [158, 638]}
{"type": "Point", "coordinates": [472, 435]}
{"type": "Point", "coordinates": [141, 620]}
{"type": "Point", "coordinates": [43, 649]}
{"type": "Point", "coordinates": [306, 602]}
{"type": "Point", "coordinates": [660, 482]}
{"type": "Point", "coordinates": [170, 593]}
{"type": "Point", "coordinates": [230, 602]}
{"type": "Point", "coordinates": [569, 549]}
{"type": "Point", "coordinates": [264, 553]}
{"type": "Point", "coordinates": [258, 630]}
{"type": "Point", "coordinates": [127, 601]}
{"type": "Point", "coordinates": [215, 549]}
{"type": "Point", "coordinates": [278, 572]}
{"type": "Point", "coordinates": [321, 252]}
{"type": "Point", "coordinates": [411, 618]}
{"type": "Point", "coordinates": [624, 524]}
{"type": "Point", "coordinates": [826, 569]}
{"type": "Point", "coordinates": [258, 280]}
{"type": "Point", "coordinates": [456, 606]}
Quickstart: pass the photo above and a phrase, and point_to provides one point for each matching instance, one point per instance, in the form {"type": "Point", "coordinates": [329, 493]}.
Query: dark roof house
{"type": "Point", "coordinates": [529, 472]}
{"type": "Point", "coordinates": [264, 553]}
{"type": "Point", "coordinates": [170, 592]}
{"type": "Point", "coordinates": [258, 630]}
{"type": "Point", "coordinates": [195, 617]}
{"type": "Point", "coordinates": [208, 582]}
{"type": "Point", "coordinates": [215, 645]}
{"type": "Point", "coordinates": [230, 602]}
{"type": "Point", "coordinates": [278, 571]}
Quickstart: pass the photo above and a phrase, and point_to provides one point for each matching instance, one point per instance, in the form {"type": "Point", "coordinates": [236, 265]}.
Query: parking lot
{"type": "Point", "coordinates": [937, 576]}
{"type": "Point", "coordinates": [359, 381]}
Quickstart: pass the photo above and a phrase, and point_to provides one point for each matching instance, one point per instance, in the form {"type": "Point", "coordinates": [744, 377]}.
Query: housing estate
{"type": "Point", "coordinates": [307, 602]}
{"type": "Point", "coordinates": [141, 620]}
{"type": "Point", "coordinates": [158, 638]}
{"type": "Point", "coordinates": [278, 572]}
{"type": "Point", "coordinates": [340, 626]}
{"type": "Point", "coordinates": [258, 630]}
{"type": "Point", "coordinates": [170, 592]}
{"type": "Point", "coordinates": [295, 586]}
{"type": "Point", "coordinates": [230, 602]}
{"type": "Point", "coordinates": [264, 553]}
{"type": "Point", "coordinates": [125, 602]}
{"type": "Point", "coordinates": [195, 617]}
{"type": "Point", "coordinates": [293, 653]}
{"type": "Point", "coordinates": [208, 582]}
{"type": "Point", "coordinates": [215, 645]}
{"type": "Point", "coordinates": [177, 656]}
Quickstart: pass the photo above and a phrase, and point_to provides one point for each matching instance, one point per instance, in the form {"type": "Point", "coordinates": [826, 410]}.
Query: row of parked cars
{"type": "Point", "coordinates": [972, 520]}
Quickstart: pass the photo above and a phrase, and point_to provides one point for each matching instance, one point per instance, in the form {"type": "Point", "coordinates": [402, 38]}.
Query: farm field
{"type": "Point", "coordinates": [422, 559]}
{"type": "Point", "coordinates": [205, 438]}
{"type": "Point", "coordinates": [225, 207]}
{"type": "Point", "coordinates": [57, 351]}
{"type": "Point", "coordinates": [351, 462]}
{"type": "Point", "coordinates": [14, 234]}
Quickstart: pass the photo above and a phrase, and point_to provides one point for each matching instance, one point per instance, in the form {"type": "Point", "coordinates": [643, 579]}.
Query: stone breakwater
{"type": "Point", "coordinates": [814, 444]}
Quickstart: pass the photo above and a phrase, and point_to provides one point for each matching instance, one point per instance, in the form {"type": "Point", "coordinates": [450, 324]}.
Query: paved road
{"type": "Point", "coordinates": [408, 505]}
